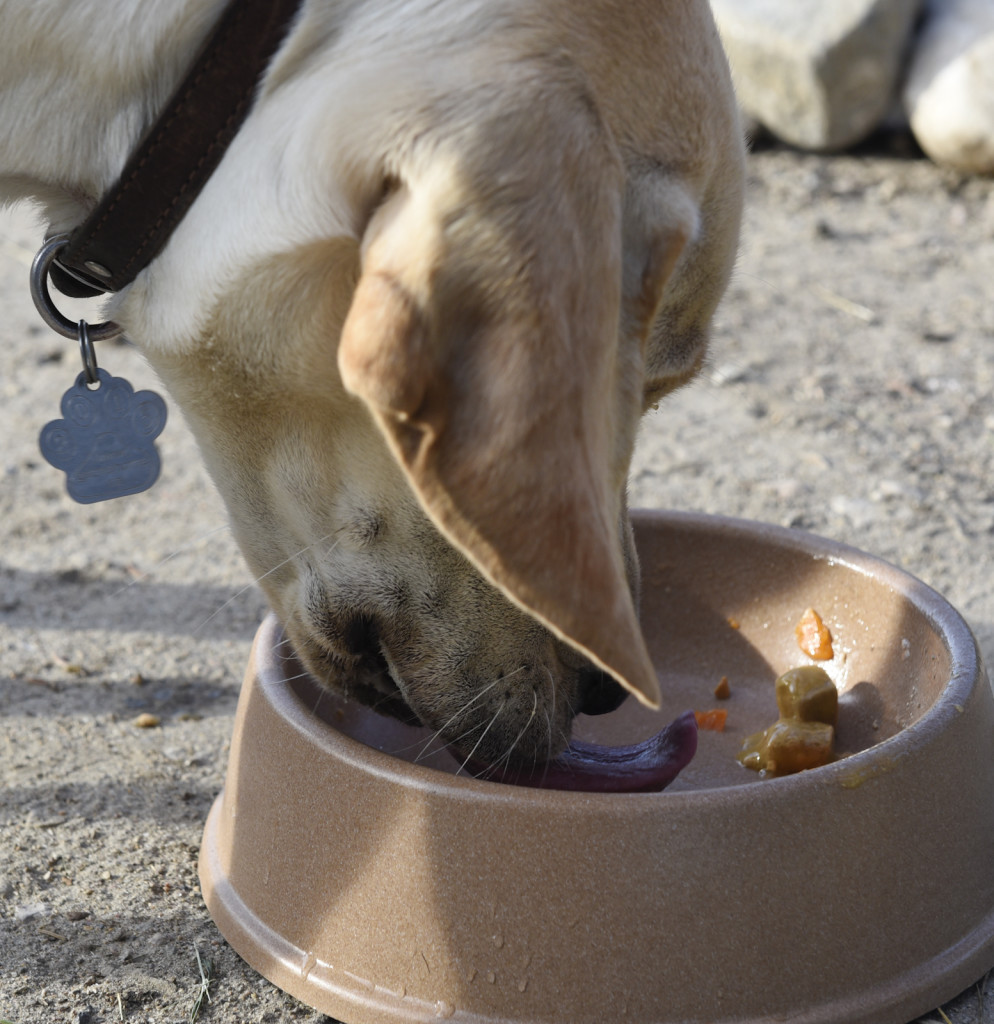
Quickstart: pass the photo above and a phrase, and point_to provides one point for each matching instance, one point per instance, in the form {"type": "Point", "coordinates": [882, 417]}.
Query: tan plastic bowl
{"type": "Point", "coordinates": [380, 890]}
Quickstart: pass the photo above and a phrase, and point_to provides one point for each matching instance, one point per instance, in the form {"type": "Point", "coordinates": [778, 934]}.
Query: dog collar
{"type": "Point", "coordinates": [104, 442]}
{"type": "Point", "coordinates": [177, 155]}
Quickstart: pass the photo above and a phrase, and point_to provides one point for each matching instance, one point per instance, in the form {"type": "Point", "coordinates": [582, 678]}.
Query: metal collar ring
{"type": "Point", "coordinates": [60, 323]}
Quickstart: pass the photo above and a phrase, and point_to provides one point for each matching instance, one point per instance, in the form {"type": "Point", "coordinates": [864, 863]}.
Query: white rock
{"type": "Point", "coordinates": [949, 93]}
{"type": "Point", "coordinates": [31, 910]}
{"type": "Point", "coordinates": [860, 512]}
{"type": "Point", "coordinates": [819, 74]}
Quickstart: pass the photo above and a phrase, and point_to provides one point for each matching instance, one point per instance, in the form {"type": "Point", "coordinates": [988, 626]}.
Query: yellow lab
{"type": "Point", "coordinates": [456, 250]}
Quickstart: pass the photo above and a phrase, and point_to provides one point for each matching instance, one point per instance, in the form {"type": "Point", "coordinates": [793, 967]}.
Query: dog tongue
{"type": "Point", "coordinates": [646, 767]}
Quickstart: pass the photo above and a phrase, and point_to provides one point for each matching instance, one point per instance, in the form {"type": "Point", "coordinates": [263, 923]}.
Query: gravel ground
{"type": "Point", "coordinates": [850, 394]}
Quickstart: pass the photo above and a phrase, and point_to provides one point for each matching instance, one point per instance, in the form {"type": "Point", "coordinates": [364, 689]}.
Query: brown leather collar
{"type": "Point", "coordinates": [177, 155]}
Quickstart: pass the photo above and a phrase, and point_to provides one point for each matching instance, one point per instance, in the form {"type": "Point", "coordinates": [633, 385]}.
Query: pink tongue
{"type": "Point", "coordinates": [646, 767]}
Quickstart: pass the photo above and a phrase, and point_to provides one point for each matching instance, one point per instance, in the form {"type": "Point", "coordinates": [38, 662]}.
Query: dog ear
{"type": "Point", "coordinates": [487, 350]}
{"type": "Point", "coordinates": [660, 218]}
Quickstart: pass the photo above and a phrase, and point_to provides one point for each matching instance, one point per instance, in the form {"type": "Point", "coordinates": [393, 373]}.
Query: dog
{"type": "Point", "coordinates": [454, 253]}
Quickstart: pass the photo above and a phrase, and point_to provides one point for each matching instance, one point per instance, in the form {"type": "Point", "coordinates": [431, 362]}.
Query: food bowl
{"type": "Point", "coordinates": [348, 863]}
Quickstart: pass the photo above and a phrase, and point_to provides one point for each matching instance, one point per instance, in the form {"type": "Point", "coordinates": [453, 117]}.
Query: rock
{"type": "Point", "coordinates": [30, 910]}
{"type": "Point", "coordinates": [818, 75]}
{"type": "Point", "coordinates": [949, 93]}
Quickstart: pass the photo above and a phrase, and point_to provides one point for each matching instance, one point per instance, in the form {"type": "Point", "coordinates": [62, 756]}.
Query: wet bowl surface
{"type": "Point", "coordinates": [349, 863]}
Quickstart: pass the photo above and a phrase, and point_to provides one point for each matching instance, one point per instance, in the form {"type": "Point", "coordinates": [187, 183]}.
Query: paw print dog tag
{"type": "Point", "coordinates": [105, 441]}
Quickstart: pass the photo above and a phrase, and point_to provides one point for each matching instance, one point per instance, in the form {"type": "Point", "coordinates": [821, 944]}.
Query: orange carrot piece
{"type": "Point", "coordinates": [813, 636]}
{"type": "Point", "coordinates": [713, 720]}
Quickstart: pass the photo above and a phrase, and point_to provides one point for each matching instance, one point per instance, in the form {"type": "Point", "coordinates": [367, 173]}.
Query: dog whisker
{"type": "Point", "coordinates": [458, 714]}
{"type": "Point", "coordinates": [291, 656]}
{"type": "Point", "coordinates": [505, 758]}
{"type": "Point", "coordinates": [549, 744]}
{"type": "Point", "coordinates": [142, 577]}
{"type": "Point", "coordinates": [293, 679]}
{"type": "Point", "coordinates": [776, 289]}
{"type": "Point", "coordinates": [462, 711]}
{"type": "Point", "coordinates": [259, 579]}
{"type": "Point", "coordinates": [436, 736]}
{"type": "Point", "coordinates": [442, 744]}
{"type": "Point", "coordinates": [549, 720]}
{"type": "Point", "coordinates": [282, 637]}
{"type": "Point", "coordinates": [572, 714]}
{"type": "Point", "coordinates": [321, 693]}
{"type": "Point", "coordinates": [377, 704]}
{"type": "Point", "coordinates": [552, 702]}
{"type": "Point", "coordinates": [476, 746]}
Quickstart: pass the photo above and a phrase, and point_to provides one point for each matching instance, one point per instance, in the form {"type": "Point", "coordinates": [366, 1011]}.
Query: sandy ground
{"type": "Point", "coordinates": [850, 394]}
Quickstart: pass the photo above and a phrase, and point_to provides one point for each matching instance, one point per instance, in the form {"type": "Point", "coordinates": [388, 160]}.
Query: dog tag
{"type": "Point", "coordinates": [105, 441]}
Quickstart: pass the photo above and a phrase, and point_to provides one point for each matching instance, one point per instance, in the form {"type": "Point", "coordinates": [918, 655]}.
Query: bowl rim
{"type": "Point", "coordinates": [937, 611]}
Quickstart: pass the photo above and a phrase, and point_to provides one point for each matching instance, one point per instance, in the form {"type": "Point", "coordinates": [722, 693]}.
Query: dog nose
{"type": "Point", "coordinates": [599, 693]}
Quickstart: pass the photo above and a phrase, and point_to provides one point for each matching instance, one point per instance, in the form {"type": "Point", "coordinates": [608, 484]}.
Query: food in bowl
{"type": "Point", "coordinates": [713, 719]}
{"type": "Point", "coordinates": [804, 734]}
{"type": "Point", "coordinates": [814, 637]}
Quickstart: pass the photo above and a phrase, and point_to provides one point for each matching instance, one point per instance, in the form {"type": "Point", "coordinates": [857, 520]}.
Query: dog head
{"type": "Point", "coordinates": [421, 416]}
